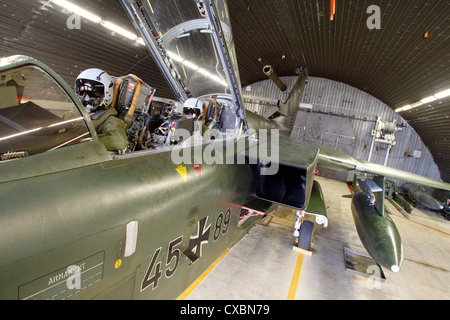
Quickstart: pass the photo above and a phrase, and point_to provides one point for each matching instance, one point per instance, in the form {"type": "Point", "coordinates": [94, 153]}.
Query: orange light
{"type": "Point", "coordinates": [333, 9]}
{"type": "Point", "coordinates": [426, 35]}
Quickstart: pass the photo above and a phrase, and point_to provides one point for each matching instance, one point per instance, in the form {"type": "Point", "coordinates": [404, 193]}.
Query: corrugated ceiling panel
{"type": "Point", "coordinates": [396, 64]}
{"type": "Point", "coordinates": [41, 31]}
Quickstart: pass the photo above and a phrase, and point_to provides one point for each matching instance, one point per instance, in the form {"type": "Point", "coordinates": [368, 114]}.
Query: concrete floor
{"type": "Point", "coordinates": [263, 265]}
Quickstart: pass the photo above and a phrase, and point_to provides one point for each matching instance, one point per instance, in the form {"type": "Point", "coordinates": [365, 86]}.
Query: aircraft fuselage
{"type": "Point", "coordinates": [76, 220]}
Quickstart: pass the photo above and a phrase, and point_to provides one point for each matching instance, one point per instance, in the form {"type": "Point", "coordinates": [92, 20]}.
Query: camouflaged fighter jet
{"type": "Point", "coordinates": [80, 222]}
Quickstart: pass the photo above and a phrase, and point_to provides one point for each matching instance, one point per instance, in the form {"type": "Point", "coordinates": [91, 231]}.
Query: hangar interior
{"type": "Point", "coordinates": [397, 71]}
{"type": "Point", "coordinates": [400, 64]}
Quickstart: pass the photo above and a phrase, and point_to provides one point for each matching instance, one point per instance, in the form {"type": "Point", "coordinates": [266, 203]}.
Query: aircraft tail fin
{"type": "Point", "coordinates": [290, 107]}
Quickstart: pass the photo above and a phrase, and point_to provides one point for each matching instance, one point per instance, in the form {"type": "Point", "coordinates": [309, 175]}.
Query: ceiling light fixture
{"type": "Point", "coordinates": [428, 100]}
{"type": "Point", "coordinates": [119, 30]}
{"type": "Point", "coordinates": [437, 96]}
{"type": "Point", "coordinates": [442, 94]}
{"type": "Point", "coordinates": [190, 65]}
{"type": "Point", "coordinates": [403, 108]}
{"type": "Point", "coordinates": [194, 67]}
{"type": "Point", "coordinates": [175, 57]}
{"type": "Point", "coordinates": [132, 36]}
{"type": "Point", "coordinates": [77, 10]}
{"type": "Point", "coordinates": [94, 18]}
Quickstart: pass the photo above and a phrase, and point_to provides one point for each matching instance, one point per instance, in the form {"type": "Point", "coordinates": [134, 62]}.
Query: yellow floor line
{"type": "Point", "coordinates": [295, 278]}
{"type": "Point", "coordinates": [192, 287]}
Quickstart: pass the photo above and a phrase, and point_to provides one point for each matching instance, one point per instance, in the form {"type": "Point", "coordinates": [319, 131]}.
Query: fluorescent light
{"type": "Point", "coordinates": [405, 108]}
{"type": "Point", "coordinates": [190, 65]}
{"type": "Point", "coordinates": [20, 134]}
{"type": "Point", "coordinates": [65, 122]}
{"type": "Point", "coordinates": [77, 10]}
{"type": "Point", "coordinates": [94, 18]}
{"type": "Point", "coordinates": [429, 99]}
{"type": "Point", "coordinates": [205, 73]}
{"type": "Point", "coordinates": [409, 107]}
{"type": "Point", "coordinates": [174, 56]}
{"type": "Point", "coordinates": [212, 77]}
{"type": "Point", "coordinates": [437, 96]}
{"type": "Point", "coordinates": [130, 35]}
{"type": "Point", "coordinates": [196, 68]}
{"type": "Point", "coordinates": [119, 30]}
{"type": "Point", "coordinates": [217, 79]}
{"type": "Point", "coordinates": [417, 104]}
{"type": "Point", "coordinates": [183, 35]}
{"type": "Point", "coordinates": [442, 94]}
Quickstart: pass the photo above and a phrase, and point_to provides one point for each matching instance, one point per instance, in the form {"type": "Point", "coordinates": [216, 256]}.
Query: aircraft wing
{"type": "Point", "coordinates": [376, 229]}
{"type": "Point", "coordinates": [293, 186]}
{"type": "Point", "coordinates": [340, 161]}
{"type": "Point", "coordinates": [284, 168]}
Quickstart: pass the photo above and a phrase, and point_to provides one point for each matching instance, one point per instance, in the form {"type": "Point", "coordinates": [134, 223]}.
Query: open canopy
{"type": "Point", "coordinates": [193, 43]}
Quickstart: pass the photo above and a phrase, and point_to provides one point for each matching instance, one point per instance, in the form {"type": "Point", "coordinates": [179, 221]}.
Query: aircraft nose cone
{"type": "Point", "coordinates": [395, 268]}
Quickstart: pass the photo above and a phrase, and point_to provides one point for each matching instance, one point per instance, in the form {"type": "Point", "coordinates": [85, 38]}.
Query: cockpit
{"type": "Point", "coordinates": [37, 115]}
{"type": "Point", "coordinates": [192, 43]}
{"type": "Point", "coordinates": [128, 115]}
{"type": "Point", "coordinates": [195, 121]}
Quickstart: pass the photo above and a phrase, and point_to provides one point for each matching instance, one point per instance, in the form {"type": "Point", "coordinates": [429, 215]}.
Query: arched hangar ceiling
{"type": "Point", "coordinates": [398, 64]}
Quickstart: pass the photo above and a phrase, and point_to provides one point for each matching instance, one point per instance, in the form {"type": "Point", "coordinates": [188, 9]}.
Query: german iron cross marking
{"type": "Point", "coordinates": [196, 242]}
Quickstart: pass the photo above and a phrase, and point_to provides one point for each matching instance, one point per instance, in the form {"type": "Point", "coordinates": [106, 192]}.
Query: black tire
{"type": "Point", "coordinates": [306, 231]}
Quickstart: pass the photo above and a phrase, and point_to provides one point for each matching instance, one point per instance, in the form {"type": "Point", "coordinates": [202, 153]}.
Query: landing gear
{"type": "Point", "coordinates": [304, 230]}
{"type": "Point", "coordinates": [305, 237]}
{"type": "Point", "coordinates": [303, 233]}
{"type": "Point", "coordinates": [446, 214]}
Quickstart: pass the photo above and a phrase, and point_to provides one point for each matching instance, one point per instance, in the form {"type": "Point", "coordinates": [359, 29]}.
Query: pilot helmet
{"type": "Point", "coordinates": [95, 89]}
{"type": "Point", "coordinates": [193, 106]}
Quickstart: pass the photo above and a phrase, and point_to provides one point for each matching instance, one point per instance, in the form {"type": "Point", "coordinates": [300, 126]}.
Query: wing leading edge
{"type": "Point", "coordinates": [340, 161]}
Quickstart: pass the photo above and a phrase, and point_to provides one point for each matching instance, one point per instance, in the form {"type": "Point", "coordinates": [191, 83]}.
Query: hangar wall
{"type": "Point", "coordinates": [338, 110]}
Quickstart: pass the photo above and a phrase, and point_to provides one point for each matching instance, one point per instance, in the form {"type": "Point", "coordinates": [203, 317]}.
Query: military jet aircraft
{"type": "Point", "coordinates": [423, 197]}
{"type": "Point", "coordinates": [80, 222]}
{"type": "Point", "coordinates": [435, 200]}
